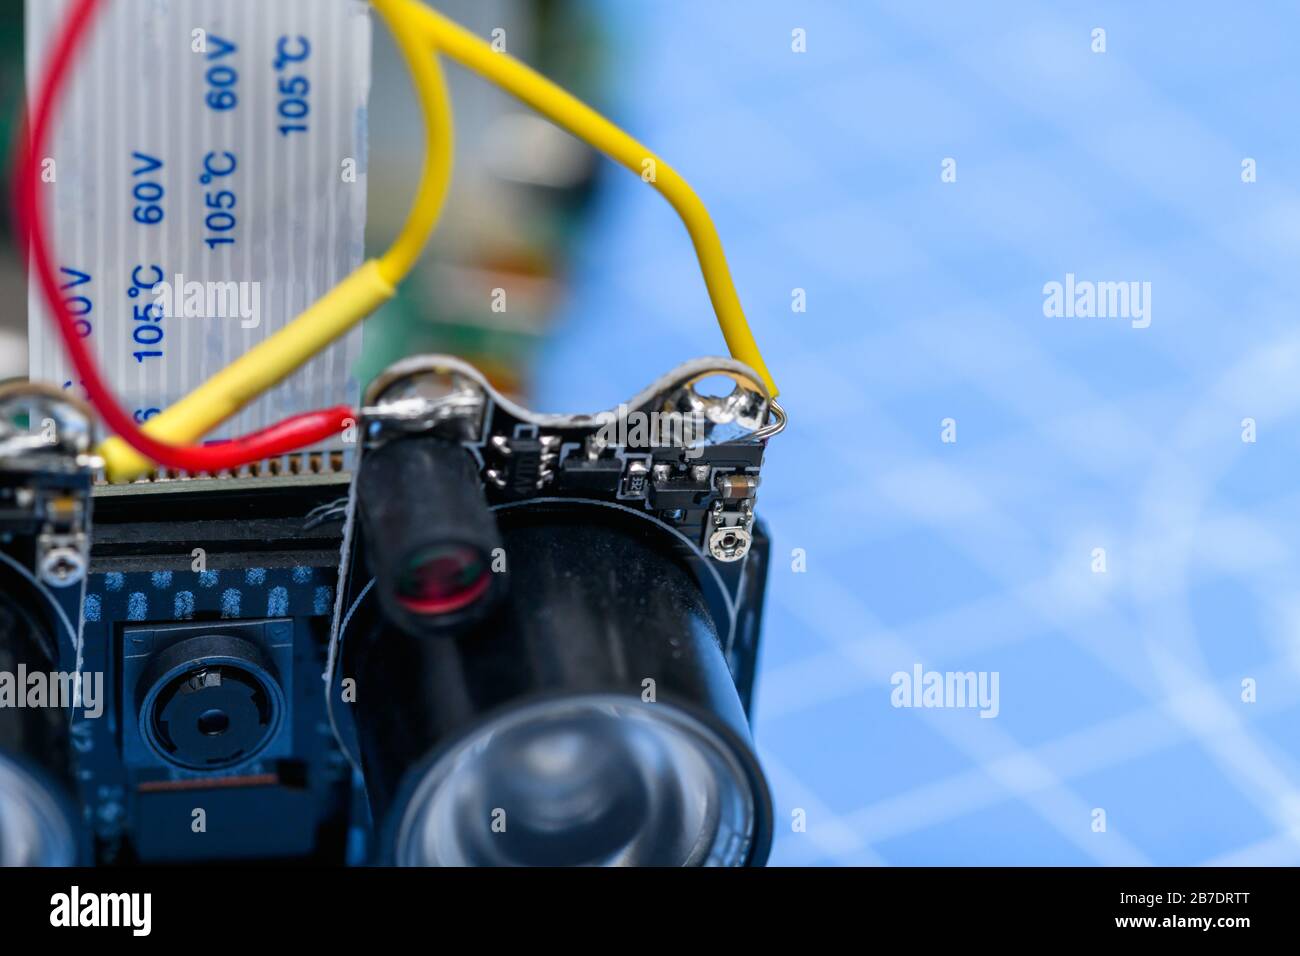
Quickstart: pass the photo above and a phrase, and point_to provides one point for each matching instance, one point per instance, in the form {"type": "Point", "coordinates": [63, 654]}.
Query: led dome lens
{"type": "Point", "coordinates": [594, 780]}
{"type": "Point", "coordinates": [34, 829]}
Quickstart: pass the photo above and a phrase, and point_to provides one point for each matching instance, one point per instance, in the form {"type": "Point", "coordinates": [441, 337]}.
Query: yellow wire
{"type": "Point", "coordinates": [580, 119]}
{"type": "Point", "coordinates": [435, 178]}
{"type": "Point", "coordinates": [374, 282]}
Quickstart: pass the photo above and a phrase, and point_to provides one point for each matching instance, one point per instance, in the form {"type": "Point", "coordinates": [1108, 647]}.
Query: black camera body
{"type": "Point", "coordinates": [209, 607]}
{"type": "Point", "coordinates": [496, 638]}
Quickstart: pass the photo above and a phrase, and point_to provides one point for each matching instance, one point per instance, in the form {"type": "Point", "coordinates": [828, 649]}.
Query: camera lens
{"type": "Point", "coordinates": [442, 578]}
{"type": "Point", "coordinates": [210, 702]}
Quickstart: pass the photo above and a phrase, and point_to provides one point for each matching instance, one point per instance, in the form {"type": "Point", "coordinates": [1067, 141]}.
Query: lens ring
{"type": "Point", "coordinates": [593, 779]}
{"type": "Point", "coordinates": [268, 697]}
{"type": "Point", "coordinates": [442, 579]}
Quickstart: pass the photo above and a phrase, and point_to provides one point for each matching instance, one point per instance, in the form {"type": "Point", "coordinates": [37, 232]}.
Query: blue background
{"type": "Point", "coordinates": [1119, 690]}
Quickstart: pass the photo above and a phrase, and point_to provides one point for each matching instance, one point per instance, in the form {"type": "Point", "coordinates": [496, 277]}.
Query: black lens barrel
{"type": "Point", "coordinates": [419, 499]}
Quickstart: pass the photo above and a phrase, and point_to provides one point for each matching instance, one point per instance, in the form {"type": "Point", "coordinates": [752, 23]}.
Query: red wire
{"type": "Point", "coordinates": [288, 435]}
